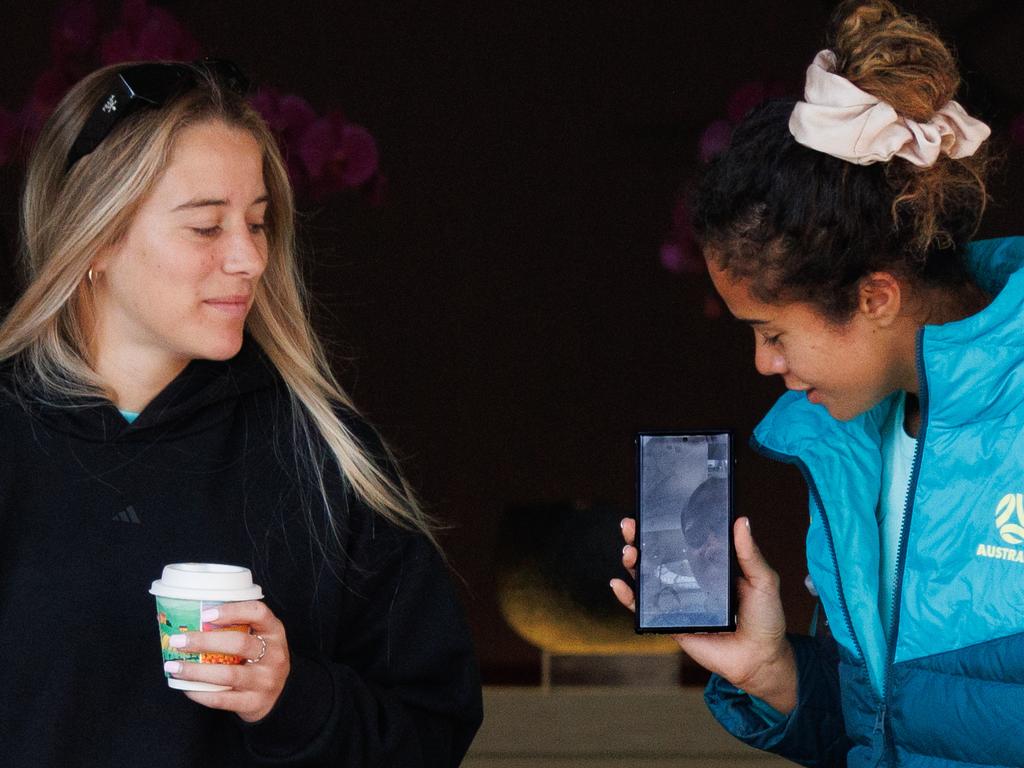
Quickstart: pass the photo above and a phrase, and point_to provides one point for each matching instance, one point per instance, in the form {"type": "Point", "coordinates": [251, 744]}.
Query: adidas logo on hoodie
{"type": "Point", "coordinates": [127, 515]}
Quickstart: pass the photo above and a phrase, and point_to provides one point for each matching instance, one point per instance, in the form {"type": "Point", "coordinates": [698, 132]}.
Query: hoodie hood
{"type": "Point", "coordinates": [196, 399]}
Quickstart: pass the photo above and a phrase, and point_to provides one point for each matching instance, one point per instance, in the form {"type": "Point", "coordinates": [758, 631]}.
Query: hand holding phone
{"type": "Point", "coordinates": [757, 657]}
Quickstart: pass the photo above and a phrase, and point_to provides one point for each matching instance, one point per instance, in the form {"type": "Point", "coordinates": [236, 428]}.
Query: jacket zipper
{"type": "Point", "coordinates": [878, 740]}
{"type": "Point", "coordinates": [882, 702]}
{"type": "Point", "coordinates": [908, 509]}
{"type": "Point", "coordinates": [881, 707]}
{"type": "Point", "coordinates": [796, 461]}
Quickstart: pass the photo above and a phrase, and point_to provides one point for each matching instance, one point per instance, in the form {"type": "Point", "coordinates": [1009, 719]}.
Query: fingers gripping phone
{"type": "Point", "coordinates": [686, 563]}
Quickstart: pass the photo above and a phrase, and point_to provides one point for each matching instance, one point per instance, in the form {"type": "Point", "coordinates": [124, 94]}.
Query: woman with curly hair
{"type": "Point", "coordinates": [839, 228]}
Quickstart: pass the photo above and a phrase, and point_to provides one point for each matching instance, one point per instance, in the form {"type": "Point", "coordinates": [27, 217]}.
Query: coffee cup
{"type": "Point", "coordinates": [182, 593]}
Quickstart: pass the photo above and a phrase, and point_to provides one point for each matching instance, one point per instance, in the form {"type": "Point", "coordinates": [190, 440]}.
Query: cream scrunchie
{"type": "Point", "coordinates": [839, 119]}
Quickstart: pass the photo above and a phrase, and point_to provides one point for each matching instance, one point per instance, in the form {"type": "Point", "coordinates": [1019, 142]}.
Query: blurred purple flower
{"type": "Point", "coordinates": [288, 116]}
{"type": "Point", "coordinates": [681, 253]}
{"type": "Point", "coordinates": [672, 257]}
{"type": "Point", "coordinates": [337, 154]}
{"type": "Point", "coordinates": [714, 140]}
{"type": "Point", "coordinates": [324, 154]}
{"type": "Point", "coordinates": [74, 35]}
{"type": "Point", "coordinates": [147, 34]}
{"type": "Point", "coordinates": [1017, 129]}
{"type": "Point", "coordinates": [682, 257]}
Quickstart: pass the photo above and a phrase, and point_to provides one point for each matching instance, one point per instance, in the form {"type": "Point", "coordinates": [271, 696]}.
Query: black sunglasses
{"type": "Point", "coordinates": [148, 85]}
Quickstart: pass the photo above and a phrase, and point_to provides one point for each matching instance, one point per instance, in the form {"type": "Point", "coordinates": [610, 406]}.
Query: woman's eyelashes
{"type": "Point", "coordinates": [771, 340]}
{"type": "Point", "coordinates": [255, 228]}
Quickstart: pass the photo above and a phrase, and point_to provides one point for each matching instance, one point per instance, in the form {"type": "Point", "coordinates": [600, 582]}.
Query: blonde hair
{"type": "Point", "coordinates": [69, 216]}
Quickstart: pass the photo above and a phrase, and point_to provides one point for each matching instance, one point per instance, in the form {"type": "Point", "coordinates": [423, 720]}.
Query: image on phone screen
{"type": "Point", "coordinates": [684, 532]}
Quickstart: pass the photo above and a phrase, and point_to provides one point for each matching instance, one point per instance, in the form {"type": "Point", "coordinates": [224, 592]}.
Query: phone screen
{"type": "Point", "coordinates": [684, 532]}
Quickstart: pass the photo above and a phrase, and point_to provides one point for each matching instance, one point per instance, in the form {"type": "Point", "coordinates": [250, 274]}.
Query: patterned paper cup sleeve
{"type": "Point", "coordinates": [176, 616]}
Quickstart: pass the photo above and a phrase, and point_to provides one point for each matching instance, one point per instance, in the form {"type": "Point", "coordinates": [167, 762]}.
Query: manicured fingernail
{"type": "Point", "coordinates": [172, 667]}
{"type": "Point", "coordinates": [622, 523]}
{"type": "Point", "coordinates": [612, 583]}
{"type": "Point", "coordinates": [625, 549]}
{"type": "Point", "coordinates": [748, 523]}
{"type": "Point", "coordinates": [178, 641]}
{"type": "Point", "coordinates": [210, 614]}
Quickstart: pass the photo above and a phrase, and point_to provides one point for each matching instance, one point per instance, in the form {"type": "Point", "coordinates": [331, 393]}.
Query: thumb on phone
{"type": "Point", "coordinates": [752, 563]}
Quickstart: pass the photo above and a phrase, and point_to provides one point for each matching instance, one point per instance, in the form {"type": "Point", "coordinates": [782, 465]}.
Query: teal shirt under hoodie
{"type": "Point", "coordinates": [944, 686]}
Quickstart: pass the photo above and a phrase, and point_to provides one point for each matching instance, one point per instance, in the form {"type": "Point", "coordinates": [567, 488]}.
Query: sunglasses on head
{"type": "Point", "coordinates": [149, 85]}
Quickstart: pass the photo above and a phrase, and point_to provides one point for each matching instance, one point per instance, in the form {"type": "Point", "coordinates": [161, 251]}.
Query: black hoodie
{"type": "Point", "coordinates": [92, 507]}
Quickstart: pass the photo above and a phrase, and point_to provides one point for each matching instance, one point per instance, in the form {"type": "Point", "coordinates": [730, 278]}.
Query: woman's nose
{"type": "Point", "coordinates": [246, 255]}
{"type": "Point", "coordinates": [768, 361]}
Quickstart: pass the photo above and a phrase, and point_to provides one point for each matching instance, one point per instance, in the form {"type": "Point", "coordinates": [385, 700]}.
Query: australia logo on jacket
{"type": "Point", "coordinates": [1010, 524]}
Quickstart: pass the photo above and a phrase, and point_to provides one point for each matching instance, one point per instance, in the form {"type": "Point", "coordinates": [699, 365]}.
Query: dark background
{"type": "Point", "coordinates": [503, 318]}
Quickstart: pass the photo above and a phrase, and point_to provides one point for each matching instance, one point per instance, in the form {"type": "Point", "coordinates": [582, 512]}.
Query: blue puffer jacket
{"type": "Point", "coordinates": [945, 686]}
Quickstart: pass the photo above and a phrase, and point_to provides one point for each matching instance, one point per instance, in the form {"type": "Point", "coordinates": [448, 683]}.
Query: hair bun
{"type": "Point", "coordinates": [894, 57]}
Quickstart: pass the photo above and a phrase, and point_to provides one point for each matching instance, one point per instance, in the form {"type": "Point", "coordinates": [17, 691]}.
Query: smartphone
{"type": "Point", "coordinates": [686, 565]}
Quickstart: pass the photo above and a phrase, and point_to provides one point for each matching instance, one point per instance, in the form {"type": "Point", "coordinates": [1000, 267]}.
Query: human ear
{"type": "Point", "coordinates": [103, 258]}
{"type": "Point", "coordinates": [880, 298]}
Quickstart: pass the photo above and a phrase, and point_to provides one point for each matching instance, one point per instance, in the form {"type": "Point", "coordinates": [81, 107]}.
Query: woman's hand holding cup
{"type": "Point", "coordinates": [757, 657]}
{"type": "Point", "coordinates": [255, 684]}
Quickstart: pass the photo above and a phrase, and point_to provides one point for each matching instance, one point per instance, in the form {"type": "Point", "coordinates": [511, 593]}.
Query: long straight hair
{"type": "Point", "coordinates": [70, 216]}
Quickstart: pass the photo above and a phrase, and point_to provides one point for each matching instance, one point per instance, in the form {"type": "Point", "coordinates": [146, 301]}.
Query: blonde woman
{"type": "Point", "coordinates": [163, 399]}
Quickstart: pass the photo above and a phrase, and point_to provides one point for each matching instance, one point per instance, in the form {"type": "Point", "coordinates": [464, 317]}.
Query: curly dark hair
{"type": "Point", "coordinates": [801, 225]}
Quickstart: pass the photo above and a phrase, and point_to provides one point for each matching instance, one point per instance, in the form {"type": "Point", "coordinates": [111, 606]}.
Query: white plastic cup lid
{"type": "Point", "coordinates": [206, 581]}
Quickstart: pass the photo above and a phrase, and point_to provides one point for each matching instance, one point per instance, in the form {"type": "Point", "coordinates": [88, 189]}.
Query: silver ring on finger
{"type": "Point", "coordinates": [263, 650]}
